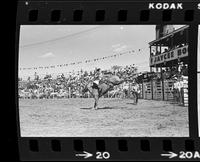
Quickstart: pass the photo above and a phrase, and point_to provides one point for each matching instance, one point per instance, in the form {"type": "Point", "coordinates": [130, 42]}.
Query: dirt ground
{"type": "Point", "coordinates": [114, 118]}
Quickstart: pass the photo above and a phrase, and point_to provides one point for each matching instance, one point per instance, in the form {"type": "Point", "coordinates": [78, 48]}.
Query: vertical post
{"type": "Point", "coordinates": [186, 30]}
{"type": "Point", "coordinates": [160, 48]}
{"type": "Point", "coordinates": [150, 73]}
{"type": "Point", "coordinates": [172, 42]}
{"type": "Point", "coordinates": [156, 48]}
{"type": "Point", "coordinates": [69, 92]}
{"type": "Point", "coordinates": [142, 90]}
{"type": "Point", "coordinates": [150, 58]}
{"type": "Point", "coordinates": [150, 51]}
{"type": "Point", "coordinates": [151, 81]}
{"type": "Point", "coordinates": [162, 82]}
{"type": "Point", "coordinates": [156, 52]}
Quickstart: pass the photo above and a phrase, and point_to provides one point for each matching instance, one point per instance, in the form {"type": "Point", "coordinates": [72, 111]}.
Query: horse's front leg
{"type": "Point", "coordinates": [96, 103]}
{"type": "Point", "coordinates": [136, 98]}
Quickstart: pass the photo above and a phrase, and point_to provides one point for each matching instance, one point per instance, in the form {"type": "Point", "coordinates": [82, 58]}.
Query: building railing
{"type": "Point", "coordinates": [173, 54]}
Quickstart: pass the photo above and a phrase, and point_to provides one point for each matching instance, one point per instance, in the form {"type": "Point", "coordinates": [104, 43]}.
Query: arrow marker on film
{"type": "Point", "coordinates": [170, 155]}
{"type": "Point", "coordinates": [85, 154]}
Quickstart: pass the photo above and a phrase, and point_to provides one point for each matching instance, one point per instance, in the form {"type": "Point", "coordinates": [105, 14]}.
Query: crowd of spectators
{"type": "Point", "coordinates": [72, 85]}
{"type": "Point", "coordinates": [168, 73]}
{"type": "Point", "coordinates": [68, 85]}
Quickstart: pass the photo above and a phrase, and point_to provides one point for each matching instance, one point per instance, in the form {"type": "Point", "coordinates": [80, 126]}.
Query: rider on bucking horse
{"type": "Point", "coordinates": [101, 83]}
{"type": "Point", "coordinates": [99, 76]}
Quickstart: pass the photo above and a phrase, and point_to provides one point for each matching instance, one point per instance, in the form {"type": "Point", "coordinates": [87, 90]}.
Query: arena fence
{"type": "Point", "coordinates": [152, 90]}
{"type": "Point", "coordinates": [165, 90]}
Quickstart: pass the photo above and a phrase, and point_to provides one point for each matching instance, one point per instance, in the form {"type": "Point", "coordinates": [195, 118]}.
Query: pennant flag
{"type": "Point", "coordinates": [86, 61]}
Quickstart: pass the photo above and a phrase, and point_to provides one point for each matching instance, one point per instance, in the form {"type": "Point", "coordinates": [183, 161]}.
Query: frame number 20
{"type": "Point", "coordinates": [102, 155]}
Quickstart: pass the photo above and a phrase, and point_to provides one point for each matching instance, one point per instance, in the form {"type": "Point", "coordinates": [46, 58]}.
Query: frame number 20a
{"type": "Point", "coordinates": [182, 155]}
{"type": "Point", "coordinates": [189, 155]}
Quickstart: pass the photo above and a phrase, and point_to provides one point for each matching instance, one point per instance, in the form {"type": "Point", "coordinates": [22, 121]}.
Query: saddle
{"type": "Point", "coordinates": [106, 82]}
{"type": "Point", "coordinates": [102, 81]}
{"type": "Point", "coordinates": [95, 86]}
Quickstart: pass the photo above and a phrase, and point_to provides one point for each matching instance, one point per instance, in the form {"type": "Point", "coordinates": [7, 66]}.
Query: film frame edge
{"type": "Point", "coordinates": [46, 142]}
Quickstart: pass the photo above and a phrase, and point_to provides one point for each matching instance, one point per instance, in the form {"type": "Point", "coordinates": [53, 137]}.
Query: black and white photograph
{"type": "Point", "coordinates": [104, 80]}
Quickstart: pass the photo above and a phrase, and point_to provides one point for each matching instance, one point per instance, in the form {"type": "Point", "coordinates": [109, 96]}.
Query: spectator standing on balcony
{"type": "Point", "coordinates": [184, 70]}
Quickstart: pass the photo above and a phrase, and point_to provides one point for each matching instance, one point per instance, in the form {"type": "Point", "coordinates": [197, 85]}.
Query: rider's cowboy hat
{"type": "Point", "coordinates": [98, 69]}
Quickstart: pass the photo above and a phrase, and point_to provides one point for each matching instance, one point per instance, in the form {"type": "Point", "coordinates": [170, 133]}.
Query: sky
{"type": "Point", "coordinates": [47, 45]}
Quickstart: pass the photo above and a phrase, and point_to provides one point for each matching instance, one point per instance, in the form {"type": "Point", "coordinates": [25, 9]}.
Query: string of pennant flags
{"type": "Point", "coordinates": [80, 62]}
{"type": "Point", "coordinates": [141, 64]}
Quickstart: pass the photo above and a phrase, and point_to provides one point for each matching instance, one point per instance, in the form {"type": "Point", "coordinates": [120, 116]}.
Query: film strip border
{"type": "Point", "coordinates": [96, 12]}
{"type": "Point", "coordinates": [106, 149]}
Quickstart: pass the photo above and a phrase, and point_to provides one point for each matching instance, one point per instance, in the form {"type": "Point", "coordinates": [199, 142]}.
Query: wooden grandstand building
{"type": "Point", "coordinates": [168, 53]}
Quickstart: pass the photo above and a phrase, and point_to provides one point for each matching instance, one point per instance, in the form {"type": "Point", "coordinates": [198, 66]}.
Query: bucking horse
{"type": "Point", "coordinates": [105, 84]}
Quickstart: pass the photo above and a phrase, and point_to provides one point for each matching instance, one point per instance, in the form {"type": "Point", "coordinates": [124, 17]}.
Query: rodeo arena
{"type": "Point", "coordinates": [151, 103]}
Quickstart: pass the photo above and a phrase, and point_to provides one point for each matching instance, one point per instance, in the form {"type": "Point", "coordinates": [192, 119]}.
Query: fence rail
{"type": "Point", "coordinates": [158, 90]}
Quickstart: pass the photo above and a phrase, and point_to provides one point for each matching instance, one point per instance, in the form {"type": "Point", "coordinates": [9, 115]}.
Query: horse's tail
{"type": "Point", "coordinates": [85, 89]}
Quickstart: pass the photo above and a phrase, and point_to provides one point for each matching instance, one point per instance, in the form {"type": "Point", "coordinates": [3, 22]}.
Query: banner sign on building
{"type": "Point", "coordinates": [169, 56]}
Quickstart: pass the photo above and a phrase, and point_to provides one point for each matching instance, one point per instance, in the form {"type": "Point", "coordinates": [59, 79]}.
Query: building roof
{"type": "Point", "coordinates": [170, 34]}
